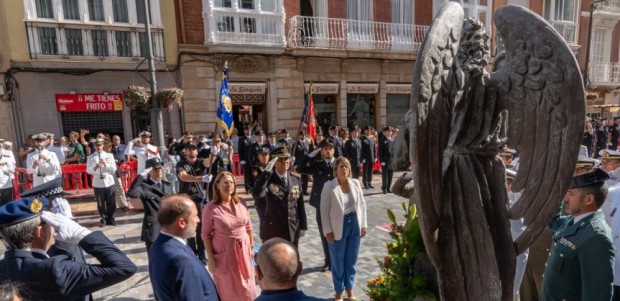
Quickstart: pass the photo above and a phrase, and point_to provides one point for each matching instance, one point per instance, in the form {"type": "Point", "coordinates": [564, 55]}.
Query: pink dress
{"type": "Point", "coordinates": [228, 232]}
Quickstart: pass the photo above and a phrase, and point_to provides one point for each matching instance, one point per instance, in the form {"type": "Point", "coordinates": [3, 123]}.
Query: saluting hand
{"type": "Point", "coordinates": [270, 165]}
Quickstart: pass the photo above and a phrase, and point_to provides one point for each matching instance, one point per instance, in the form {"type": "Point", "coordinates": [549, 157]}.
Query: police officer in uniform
{"type": "Point", "coordinates": [580, 266]}
{"type": "Point", "coordinates": [271, 141]}
{"type": "Point", "coordinates": [245, 144]}
{"type": "Point", "coordinates": [285, 214]}
{"type": "Point", "coordinates": [256, 148]}
{"type": "Point", "coordinates": [332, 133]}
{"type": "Point", "coordinates": [260, 203]}
{"type": "Point", "coordinates": [302, 148]}
{"type": "Point", "coordinates": [322, 170]}
{"type": "Point", "coordinates": [353, 151]}
{"type": "Point", "coordinates": [369, 155]}
{"type": "Point", "coordinates": [385, 156]}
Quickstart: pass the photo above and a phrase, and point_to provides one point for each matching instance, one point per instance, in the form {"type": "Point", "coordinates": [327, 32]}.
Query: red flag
{"type": "Point", "coordinates": [311, 129]}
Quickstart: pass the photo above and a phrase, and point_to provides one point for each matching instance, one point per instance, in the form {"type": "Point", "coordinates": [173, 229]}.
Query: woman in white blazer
{"type": "Point", "coordinates": [343, 209]}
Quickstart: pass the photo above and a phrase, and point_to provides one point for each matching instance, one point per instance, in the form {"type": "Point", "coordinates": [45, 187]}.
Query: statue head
{"type": "Point", "coordinates": [473, 49]}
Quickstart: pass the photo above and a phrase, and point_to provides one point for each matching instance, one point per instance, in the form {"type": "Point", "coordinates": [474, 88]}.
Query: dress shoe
{"type": "Point", "coordinates": [112, 222]}
{"type": "Point", "coordinates": [102, 222]}
{"type": "Point", "coordinates": [371, 187]}
{"type": "Point", "coordinates": [389, 190]}
{"type": "Point", "coordinates": [384, 191]}
{"type": "Point", "coordinates": [325, 268]}
{"type": "Point", "coordinates": [366, 186]}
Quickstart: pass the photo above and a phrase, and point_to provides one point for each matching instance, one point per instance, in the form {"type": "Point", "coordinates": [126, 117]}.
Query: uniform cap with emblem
{"type": "Point", "coordinates": [354, 128]}
{"type": "Point", "coordinates": [39, 137]}
{"type": "Point", "coordinates": [263, 151]}
{"type": "Point", "coordinates": [595, 177]}
{"type": "Point", "coordinates": [247, 127]}
{"type": "Point", "coordinates": [258, 133]}
{"type": "Point", "coordinates": [271, 134]}
{"type": "Point", "coordinates": [319, 131]}
{"type": "Point", "coordinates": [608, 154]}
{"type": "Point", "coordinates": [21, 210]}
{"type": "Point", "coordinates": [302, 132]}
{"type": "Point", "coordinates": [280, 152]}
{"type": "Point", "coordinates": [98, 141]}
{"type": "Point", "coordinates": [326, 142]}
{"type": "Point", "coordinates": [284, 131]}
{"type": "Point", "coordinates": [507, 152]}
{"type": "Point", "coordinates": [191, 144]}
{"type": "Point", "coordinates": [46, 189]}
{"type": "Point", "coordinates": [510, 174]}
{"type": "Point", "coordinates": [49, 135]}
{"type": "Point", "coordinates": [333, 128]}
{"type": "Point", "coordinates": [145, 133]}
{"type": "Point", "coordinates": [154, 163]}
{"type": "Point", "coordinates": [585, 161]}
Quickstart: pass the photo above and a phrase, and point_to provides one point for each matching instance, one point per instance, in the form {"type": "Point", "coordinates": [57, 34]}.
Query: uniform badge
{"type": "Point", "coordinates": [255, 173]}
{"type": "Point", "coordinates": [295, 192]}
{"type": "Point", "coordinates": [276, 188]}
{"type": "Point", "coordinates": [36, 206]}
{"type": "Point", "coordinates": [565, 242]}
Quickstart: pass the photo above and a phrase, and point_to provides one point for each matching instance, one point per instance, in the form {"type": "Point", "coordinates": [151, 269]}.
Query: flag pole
{"type": "Point", "coordinates": [219, 100]}
{"type": "Point", "coordinates": [306, 100]}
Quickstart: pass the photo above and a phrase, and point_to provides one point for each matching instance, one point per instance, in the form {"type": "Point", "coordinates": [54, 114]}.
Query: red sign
{"type": "Point", "coordinates": [89, 102]}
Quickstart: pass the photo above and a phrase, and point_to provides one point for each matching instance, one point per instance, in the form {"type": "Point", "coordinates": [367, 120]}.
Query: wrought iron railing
{"type": "Point", "coordinates": [605, 73]}
{"type": "Point", "coordinates": [317, 32]}
{"type": "Point", "coordinates": [245, 27]}
{"type": "Point", "coordinates": [52, 40]}
{"type": "Point", "coordinates": [610, 4]}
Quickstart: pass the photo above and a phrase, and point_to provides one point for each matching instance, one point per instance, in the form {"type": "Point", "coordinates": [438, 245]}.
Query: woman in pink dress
{"type": "Point", "coordinates": [227, 235]}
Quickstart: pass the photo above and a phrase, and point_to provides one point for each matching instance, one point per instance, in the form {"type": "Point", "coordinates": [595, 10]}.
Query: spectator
{"type": "Point", "coordinates": [51, 146]}
{"type": "Point", "coordinates": [278, 267]}
{"type": "Point", "coordinates": [344, 223]}
{"type": "Point", "coordinates": [227, 235]}
{"type": "Point", "coordinates": [118, 150]}
{"type": "Point", "coordinates": [64, 145]}
{"type": "Point", "coordinates": [177, 148]}
{"type": "Point", "coordinates": [76, 153]}
{"type": "Point", "coordinates": [28, 230]}
{"type": "Point", "coordinates": [26, 148]}
{"type": "Point", "coordinates": [170, 165]}
{"type": "Point", "coordinates": [234, 141]}
{"type": "Point", "coordinates": [175, 273]}
{"type": "Point", "coordinates": [9, 291]}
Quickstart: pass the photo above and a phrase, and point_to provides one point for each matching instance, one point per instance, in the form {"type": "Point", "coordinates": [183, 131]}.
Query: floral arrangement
{"type": "Point", "coordinates": [137, 97]}
{"type": "Point", "coordinates": [406, 272]}
{"type": "Point", "coordinates": [168, 97]}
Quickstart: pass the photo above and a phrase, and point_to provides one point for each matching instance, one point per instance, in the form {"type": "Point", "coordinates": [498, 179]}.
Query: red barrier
{"type": "Point", "coordinates": [18, 186]}
{"type": "Point", "coordinates": [236, 166]}
{"type": "Point", "coordinates": [129, 172]}
{"type": "Point", "coordinates": [75, 177]}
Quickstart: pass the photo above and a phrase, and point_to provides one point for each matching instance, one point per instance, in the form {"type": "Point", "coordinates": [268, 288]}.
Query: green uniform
{"type": "Point", "coordinates": [580, 266]}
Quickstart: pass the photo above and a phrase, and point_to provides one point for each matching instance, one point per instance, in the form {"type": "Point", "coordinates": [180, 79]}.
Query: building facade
{"type": "Point", "coordinates": [65, 63]}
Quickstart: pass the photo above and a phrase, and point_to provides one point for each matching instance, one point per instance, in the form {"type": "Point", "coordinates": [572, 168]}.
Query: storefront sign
{"type": "Point", "coordinates": [323, 88]}
{"type": "Point", "coordinates": [247, 88]}
{"type": "Point", "coordinates": [399, 89]}
{"type": "Point", "coordinates": [89, 102]}
{"type": "Point", "coordinates": [363, 88]}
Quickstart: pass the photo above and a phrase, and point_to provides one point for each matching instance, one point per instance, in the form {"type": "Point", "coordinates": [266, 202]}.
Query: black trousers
{"type": "Point", "coordinates": [367, 174]}
{"type": "Point", "coordinates": [616, 293]}
{"type": "Point", "coordinates": [304, 183]}
{"type": "Point", "coordinates": [247, 177]}
{"type": "Point", "coordinates": [106, 204]}
{"type": "Point", "coordinates": [6, 195]}
{"type": "Point", "coordinates": [196, 243]}
{"type": "Point", "coordinates": [355, 170]}
{"type": "Point", "coordinates": [323, 239]}
{"type": "Point", "coordinates": [386, 177]}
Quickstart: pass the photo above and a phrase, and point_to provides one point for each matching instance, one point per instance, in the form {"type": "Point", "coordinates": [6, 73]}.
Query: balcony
{"type": "Point", "coordinates": [610, 5]}
{"type": "Point", "coordinates": [609, 9]}
{"type": "Point", "coordinates": [605, 75]}
{"type": "Point", "coordinates": [344, 34]}
{"type": "Point", "coordinates": [245, 27]}
{"type": "Point", "coordinates": [52, 41]}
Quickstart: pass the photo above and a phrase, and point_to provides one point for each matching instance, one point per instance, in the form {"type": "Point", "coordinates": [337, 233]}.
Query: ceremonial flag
{"type": "Point", "coordinates": [224, 107]}
{"type": "Point", "coordinates": [310, 119]}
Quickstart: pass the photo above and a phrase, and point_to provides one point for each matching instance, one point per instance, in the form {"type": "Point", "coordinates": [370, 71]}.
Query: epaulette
{"type": "Point", "coordinates": [296, 175]}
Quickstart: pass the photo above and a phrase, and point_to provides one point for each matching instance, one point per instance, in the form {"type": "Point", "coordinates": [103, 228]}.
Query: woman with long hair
{"type": "Point", "coordinates": [343, 209]}
{"type": "Point", "coordinates": [227, 235]}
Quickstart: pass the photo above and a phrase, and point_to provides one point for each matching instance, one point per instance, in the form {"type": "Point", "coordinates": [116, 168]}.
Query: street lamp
{"type": "Point", "coordinates": [157, 123]}
{"type": "Point", "coordinates": [586, 77]}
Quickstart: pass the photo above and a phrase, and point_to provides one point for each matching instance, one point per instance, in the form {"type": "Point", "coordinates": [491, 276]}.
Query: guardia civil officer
{"type": "Point", "coordinates": [302, 148]}
{"type": "Point", "coordinates": [259, 202]}
{"type": "Point", "coordinates": [285, 214]}
{"type": "Point", "coordinates": [29, 232]}
{"type": "Point", "coordinates": [385, 156]}
{"type": "Point", "coordinates": [353, 151]}
{"type": "Point", "coordinates": [580, 266]}
{"type": "Point", "coordinates": [245, 158]}
{"type": "Point", "coordinates": [369, 155]}
{"type": "Point", "coordinates": [322, 170]}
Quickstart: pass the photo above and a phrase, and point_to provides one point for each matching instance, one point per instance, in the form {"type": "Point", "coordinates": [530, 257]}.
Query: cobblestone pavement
{"type": "Point", "coordinates": [126, 235]}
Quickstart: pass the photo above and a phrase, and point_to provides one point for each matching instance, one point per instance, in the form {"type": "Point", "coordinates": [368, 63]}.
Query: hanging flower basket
{"type": "Point", "coordinates": [167, 97]}
{"type": "Point", "coordinates": [137, 97]}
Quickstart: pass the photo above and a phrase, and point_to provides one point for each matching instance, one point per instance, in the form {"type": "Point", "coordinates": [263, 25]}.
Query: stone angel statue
{"type": "Point", "coordinates": [533, 99]}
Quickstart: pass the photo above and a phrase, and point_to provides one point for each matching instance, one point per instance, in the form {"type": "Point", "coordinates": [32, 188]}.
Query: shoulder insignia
{"type": "Point", "coordinates": [296, 175]}
{"type": "Point", "coordinates": [255, 173]}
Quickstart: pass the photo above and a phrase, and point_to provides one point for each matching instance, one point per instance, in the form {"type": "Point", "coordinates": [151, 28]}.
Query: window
{"type": "Point", "coordinates": [223, 3]}
{"type": "Point", "coordinates": [598, 45]}
{"type": "Point", "coordinates": [359, 10]}
{"type": "Point", "coordinates": [44, 9]}
{"type": "Point", "coordinates": [141, 11]}
{"type": "Point", "coordinates": [320, 8]}
{"type": "Point", "coordinates": [48, 40]}
{"type": "Point", "coordinates": [123, 43]}
{"type": "Point", "coordinates": [95, 10]}
{"type": "Point", "coordinates": [402, 11]}
{"type": "Point", "coordinates": [120, 11]}
{"type": "Point", "coordinates": [246, 4]}
{"type": "Point", "coordinates": [479, 9]}
{"type": "Point", "coordinates": [562, 14]}
{"type": "Point", "coordinates": [75, 45]}
{"type": "Point", "coordinates": [100, 42]}
{"type": "Point", "coordinates": [71, 9]}
{"type": "Point", "coordinates": [143, 44]}
{"type": "Point", "coordinates": [268, 6]}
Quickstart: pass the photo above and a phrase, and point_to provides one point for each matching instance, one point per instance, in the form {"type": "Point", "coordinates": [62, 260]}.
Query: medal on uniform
{"type": "Point", "coordinates": [295, 191]}
{"type": "Point", "coordinates": [255, 173]}
{"type": "Point", "coordinates": [276, 188]}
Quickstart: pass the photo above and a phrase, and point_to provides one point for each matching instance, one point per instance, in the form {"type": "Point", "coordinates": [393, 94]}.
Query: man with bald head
{"type": "Point", "coordinates": [277, 269]}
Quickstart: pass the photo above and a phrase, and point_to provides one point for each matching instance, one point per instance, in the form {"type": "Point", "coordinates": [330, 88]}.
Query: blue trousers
{"type": "Point", "coordinates": [344, 252]}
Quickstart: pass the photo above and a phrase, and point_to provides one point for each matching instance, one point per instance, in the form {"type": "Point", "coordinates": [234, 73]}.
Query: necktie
{"type": "Point", "coordinates": [285, 181]}
{"type": "Point", "coordinates": [159, 185]}
{"type": "Point", "coordinates": [329, 165]}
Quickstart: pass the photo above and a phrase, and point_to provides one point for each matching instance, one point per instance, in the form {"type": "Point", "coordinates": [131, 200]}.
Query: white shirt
{"type": "Point", "coordinates": [102, 177]}
{"type": "Point", "coordinates": [579, 217]}
{"type": "Point", "coordinates": [142, 153]}
{"type": "Point", "coordinates": [613, 198]}
{"type": "Point", "coordinates": [348, 202]}
{"type": "Point", "coordinates": [47, 170]}
{"type": "Point", "coordinates": [59, 154]}
{"type": "Point", "coordinates": [7, 169]}
{"type": "Point", "coordinates": [183, 241]}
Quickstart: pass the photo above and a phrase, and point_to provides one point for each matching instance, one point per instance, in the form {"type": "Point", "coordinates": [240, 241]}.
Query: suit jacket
{"type": "Point", "coordinates": [60, 277]}
{"type": "Point", "coordinates": [74, 252]}
{"type": "Point", "coordinates": [320, 172]}
{"type": "Point", "coordinates": [580, 266]}
{"type": "Point", "coordinates": [289, 295]}
{"type": "Point", "coordinates": [353, 151]}
{"type": "Point", "coordinates": [301, 150]}
{"type": "Point", "coordinates": [285, 214]}
{"type": "Point", "coordinates": [151, 197]}
{"type": "Point", "coordinates": [177, 274]}
{"type": "Point", "coordinates": [245, 149]}
{"type": "Point", "coordinates": [332, 207]}
{"type": "Point", "coordinates": [385, 155]}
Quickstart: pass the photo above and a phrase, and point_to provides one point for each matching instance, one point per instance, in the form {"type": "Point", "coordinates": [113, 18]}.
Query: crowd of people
{"type": "Point", "coordinates": [193, 216]}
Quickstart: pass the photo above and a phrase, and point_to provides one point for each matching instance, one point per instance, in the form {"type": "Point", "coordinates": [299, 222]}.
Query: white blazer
{"type": "Point", "coordinates": [332, 207]}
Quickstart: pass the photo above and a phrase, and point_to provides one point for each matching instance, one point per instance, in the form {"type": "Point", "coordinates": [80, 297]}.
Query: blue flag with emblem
{"type": "Point", "coordinates": [304, 114]}
{"type": "Point", "coordinates": [224, 107]}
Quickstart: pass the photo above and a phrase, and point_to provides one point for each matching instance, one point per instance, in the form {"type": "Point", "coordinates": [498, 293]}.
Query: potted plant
{"type": "Point", "coordinates": [137, 97]}
{"type": "Point", "coordinates": [167, 97]}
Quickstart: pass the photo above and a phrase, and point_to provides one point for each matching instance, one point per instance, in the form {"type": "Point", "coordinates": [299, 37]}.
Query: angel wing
{"type": "Point", "coordinates": [432, 99]}
{"type": "Point", "coordinates": [541, 87]}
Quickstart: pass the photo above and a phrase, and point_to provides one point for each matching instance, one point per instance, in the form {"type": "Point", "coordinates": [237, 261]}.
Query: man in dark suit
{"type": "Point", "coordinates": [285, 214]}
{"type": "Point", "coordinates": [369, 155]}
{"type": "Point", "coordinates": [245, 159]}
{"type": "Point", "coordinates": [322, 170]}
{"type": "Point", "coordinates": [385, 156]}
{"type": "Point", "coordinates": [353, 151]}
{"type": "Point", "coordinates": [176, 273]}
{"type": "Point", "coordinates": [302, 148]}
{"type": "Point", "coordinates": [150, 191]}
{"type": "Point", "coordinates": [59, 277]}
